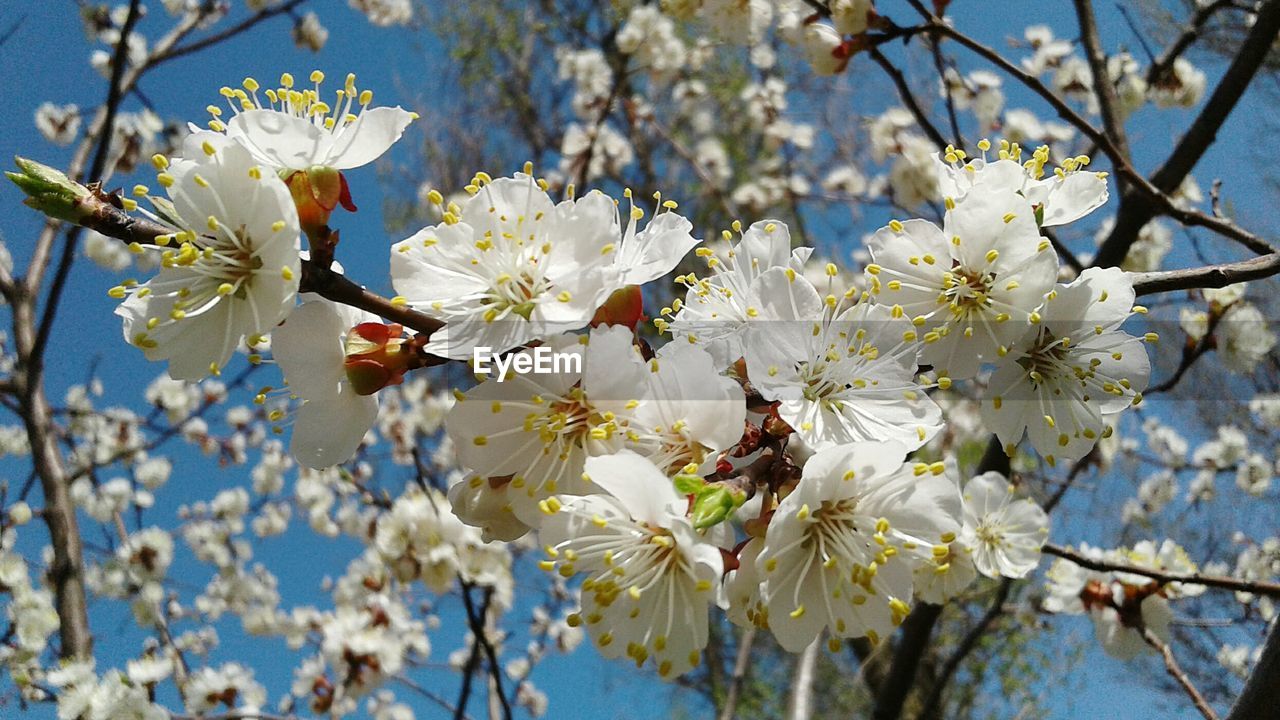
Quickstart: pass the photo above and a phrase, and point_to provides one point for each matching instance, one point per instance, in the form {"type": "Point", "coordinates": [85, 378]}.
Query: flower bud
{"type": "Point", "coordinates": [19, 514]}
{"type": "Point", "coordinates": [316, 192]}
{"type": "Point", "coordinates": [825, 48]}
{"type": "Point", "coordinates": [376, 357]}
{"type": "Point", "coordinates": [52, 192]}
{"type": "Point", "coordinates": [715, 505]}
{"type": "Point", "coordinates": [624, 307]}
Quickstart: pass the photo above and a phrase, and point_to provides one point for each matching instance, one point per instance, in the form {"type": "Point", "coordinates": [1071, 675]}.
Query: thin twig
{"type": "Point", "coordinates": [1176, 672]}
{"type": "Point", "coordinates": [224, 34]}
{"type": "Point", "coordinates": [741, 666]}
{"type": "Point", "coordinates": [1108, 103]}
{"type": "Point", "coordinates": [908, 99]}
{"type": "Point", "coordinates": [1136, 210]}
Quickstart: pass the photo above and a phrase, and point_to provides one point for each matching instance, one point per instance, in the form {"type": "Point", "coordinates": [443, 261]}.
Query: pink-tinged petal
{"type": "Point", "coordinates": [328, 429]}
{"type": "Point", "coordinates": [368, 137]}
{"type": "Point", "coordinates": [282, 140]}
{"type": "Point", "coordinates": [308, 348]}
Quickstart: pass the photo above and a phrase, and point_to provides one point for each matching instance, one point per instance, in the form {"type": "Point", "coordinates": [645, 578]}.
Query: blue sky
{"type": "Point", "coordinates": [47, 60]}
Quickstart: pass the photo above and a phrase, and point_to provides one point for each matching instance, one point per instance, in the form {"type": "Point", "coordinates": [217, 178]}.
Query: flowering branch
{"type": "Point", "coordinates": [1270, 589]}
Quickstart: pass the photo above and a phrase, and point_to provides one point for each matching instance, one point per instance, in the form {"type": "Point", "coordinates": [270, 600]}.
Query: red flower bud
{"type": "Point", "coordinates": [624, 307]}
{"type": "Point", "coordinates": [376, 357]}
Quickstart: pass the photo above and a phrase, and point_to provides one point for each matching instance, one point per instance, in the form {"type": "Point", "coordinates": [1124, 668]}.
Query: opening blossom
{"type": "Point", "coordinates": [716, 309]}
{"type": "Point", "coordinates": [1003, 535]}
{"type": "Point", "coordinates": [1068, 194]}
{"type": "Point", "coordinates": [509, 266]}
{"type": "Point", "coordinates": [529, 436]}
{"type": "Point", "coordinates": [840, 549]}
{"type": "Point", "coordinates": [229, 270]}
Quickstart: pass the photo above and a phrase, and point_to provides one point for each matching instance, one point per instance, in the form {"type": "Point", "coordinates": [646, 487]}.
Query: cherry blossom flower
{"type": "Point", "coordinates": [310, 349]}
{"type": "Point", "coordinates": [971, 287]}
{"type": "Point", "coordinates": [840, 549]}
{"type": "Point", "coordinates": [688, 411]}
{"type": "Point", "coordinates": [1065, 385]}
{"type": "Point", "coordinates": [1067, 195]}
{"type": "Point", "coordinates": [1003, 534]}
{"type": "Point", "coordinates": [716, 309]}
{"type": "Point", "coordinates": [296, 129]}
{"type": "Point", "coordinates": [508, 266]}
{"type": "Point", "coordinates": [235, 270]}
{"type": "Point", "coordinates": [533, 432]}
{"type": "Point", "coordinates": [651, 577]}
{"type": "Point", "coordinates": [1122, 604]}
{"type": "Point", "coordinates": [840, 378]}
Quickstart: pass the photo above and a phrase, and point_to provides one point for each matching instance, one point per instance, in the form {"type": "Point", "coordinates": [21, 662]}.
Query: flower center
{"type": "Point", "coordinates": [967, 291]}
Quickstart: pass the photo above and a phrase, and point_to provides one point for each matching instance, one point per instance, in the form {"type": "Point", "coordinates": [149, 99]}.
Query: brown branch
{"type": "Point", "coordinates": [196, 46]}
{"type": "Point", "coordinates": [1139, 186]}
{"type": "Point", "coordinates": [1176, 672]}
{"type": "Point", "coordinates": [1269, 589]}
{"type": "Point", "coordinates": [1212, 276]}
{"type": "Point", "coordinates": [1184, 40]}
{"type": "Point", "coordinates": [1261, 694]}
{"type": "Point", "coordinates": [908, 99]}
{"type": "Point", "coordinates": [1108, 103]}
{"type": "Point", "coordinates": [1137, 209]}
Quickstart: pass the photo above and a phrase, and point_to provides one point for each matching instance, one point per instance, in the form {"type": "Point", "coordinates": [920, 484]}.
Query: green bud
{"type": "Point", "coordinates": [714, 505]}
{"type": "Point", "coordinates": [52, 192]}
{"type": "Point", "coordinates": [688, 484]}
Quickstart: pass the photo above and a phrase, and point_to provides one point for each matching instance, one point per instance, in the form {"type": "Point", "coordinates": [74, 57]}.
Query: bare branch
{"type": "Point", "coordinates": [967, 644]}
{"type": "Point", "coordinates": [800, 703]}
{"type": "Point", "coordinates": [224, 34]}
{"type": "Point", "coordinates": [909, 100]}
{"type": "Point", "coordinates": [1103, 88]}
{"type": "Point", "coordinates": [741, 665]}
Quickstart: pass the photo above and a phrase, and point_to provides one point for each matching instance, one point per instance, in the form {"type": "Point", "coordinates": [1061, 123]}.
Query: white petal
{"type": "Point", "coordinates": [308, 348]}
{"type": "Point", "coordinates": [644, 490]}
{"type": "Point", "coordinates": [366, 139]}
{"type": "Point", "coordinates": [328, 429]}
{"type": "Point", "coordinates": [281, 140]}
